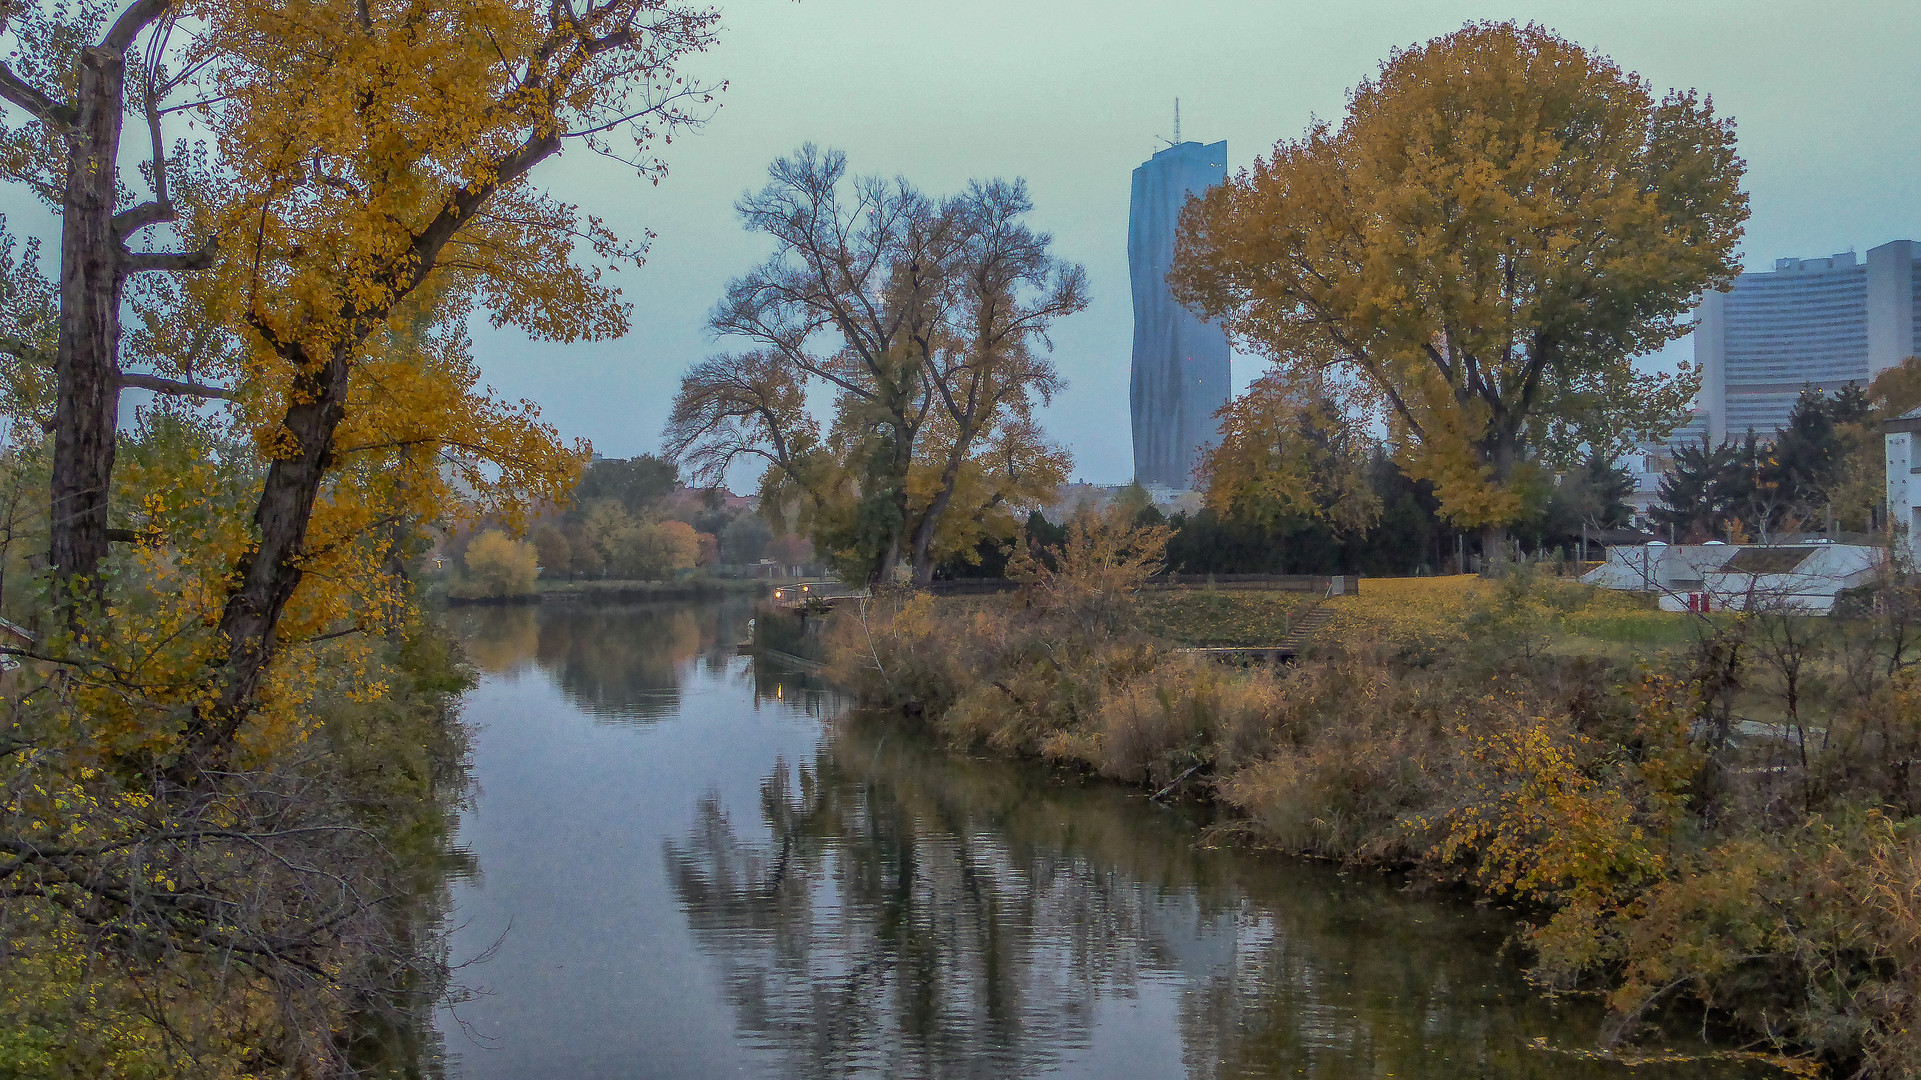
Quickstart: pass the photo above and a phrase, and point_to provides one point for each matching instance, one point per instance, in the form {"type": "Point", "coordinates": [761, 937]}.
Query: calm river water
{"type": "Point", "coordinates": [687, 867]}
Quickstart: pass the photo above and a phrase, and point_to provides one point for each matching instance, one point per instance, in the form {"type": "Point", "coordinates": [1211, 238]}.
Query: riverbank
{"type": "Point", "coordinates": [602, 591]}
{"type": "Point", "coordinates": [680, 854]}
{"type": "Point", "coordinates": [1708, 813]}
{"type": "Point", "coordinates": [289, 919]}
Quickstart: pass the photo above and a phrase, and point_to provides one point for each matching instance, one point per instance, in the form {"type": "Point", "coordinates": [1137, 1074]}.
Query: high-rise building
{"type": "Point", "coordinates": [1180, 375]}
{"type": "Point", "coordinates": [1826, 322]}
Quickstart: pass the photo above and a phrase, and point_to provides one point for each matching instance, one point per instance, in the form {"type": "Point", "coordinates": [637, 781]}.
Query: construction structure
{"type": "Point", "coordinates": [1181, 368]}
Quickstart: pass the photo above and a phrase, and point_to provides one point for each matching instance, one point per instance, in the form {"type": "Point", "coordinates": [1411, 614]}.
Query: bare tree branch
{"type": "Point", "coordinates": [174, 387]}
{"type": "Point", "coordinates": [134, 218]}
{"type": "Point", "coordinates": [57, 115]}
{"type": "Point", "coordinates": [175, 261]}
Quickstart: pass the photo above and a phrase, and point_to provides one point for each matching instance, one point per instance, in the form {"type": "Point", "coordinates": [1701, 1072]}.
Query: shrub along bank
{"type": "Point", "coordinates": [1723, 822]}
{"type": "Point", "coordinates": [287, 924]}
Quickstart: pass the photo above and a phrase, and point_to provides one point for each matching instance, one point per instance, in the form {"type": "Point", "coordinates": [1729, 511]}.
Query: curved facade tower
{"type": "Point", "coordinates": [1180, 374]}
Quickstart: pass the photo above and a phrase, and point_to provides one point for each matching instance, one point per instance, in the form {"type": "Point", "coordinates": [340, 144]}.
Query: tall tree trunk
{"type": "Point", "coordinates": [268, 574]}
{"type": "Point", "coordinates": [1503, 456]}
{"type": "Point", "coordinates": [896, 533]}
{"type": "Point", "coordinates": [923, 541]}
{"type": "Point", "coordinates": [897, 497]}
{"type": "Point", "coordinates": [86, 408]}
{"type": "Point", "coordinates": [1493, 547]}
{"type": "Point", "coordinates": [929, 524]}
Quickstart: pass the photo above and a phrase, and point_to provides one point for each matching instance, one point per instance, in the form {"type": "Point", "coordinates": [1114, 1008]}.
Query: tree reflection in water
{"type": "Point", "coordinates": [619, 662]}
{"type": "Point", "coordinates": [904, 912]}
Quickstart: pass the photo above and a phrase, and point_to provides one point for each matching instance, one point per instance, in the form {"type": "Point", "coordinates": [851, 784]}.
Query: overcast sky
{"type": "Point", "coordinates": [1071, 94]}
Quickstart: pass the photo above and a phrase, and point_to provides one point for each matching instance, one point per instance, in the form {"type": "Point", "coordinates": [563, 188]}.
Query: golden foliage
{"type": "Point", "coordinates": [1407, 614]}
{"type": "Point", "coordinates": [1092, 578]}
{"type": "Point", "coordinates": [498, 565]}
{"type": "Point", "coordinates": [1502, 220]}
{"type": "Point", "coordinates": [1289, 452]}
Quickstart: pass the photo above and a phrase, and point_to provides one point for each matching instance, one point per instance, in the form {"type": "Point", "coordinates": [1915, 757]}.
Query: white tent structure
{"type": "Point", "coordinates": [1738, 577]}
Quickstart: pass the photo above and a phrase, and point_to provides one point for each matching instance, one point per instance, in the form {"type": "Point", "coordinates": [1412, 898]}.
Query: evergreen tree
{"type": "Point", "coordinates": [1807, 451]}
{"type": "Point", "coordinates": [1693, 493]}
{"type": "Point", "coordinates": [1608, 488]}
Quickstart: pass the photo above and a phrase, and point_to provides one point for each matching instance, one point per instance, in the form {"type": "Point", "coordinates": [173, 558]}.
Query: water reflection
{"type": "Point", "coordinates": [785, 688]}
{"type": "Point", "coordinates": [621, 663]}
{"type": "Point", "coordinates": [911, 914]}
{"type": "Point", "coordinates": [695, 866]}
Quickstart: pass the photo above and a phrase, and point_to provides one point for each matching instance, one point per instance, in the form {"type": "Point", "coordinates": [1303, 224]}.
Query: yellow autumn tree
{"type": "Point", "coordinates": [499, 565]}
{"type": "Point", "coordinates": [1502, 220]}
{"type": "Point", "coordinates": [376, 186]}
{"type": "Point", "coordinates": [967, 495]}
{"type": "Point", "coordinates": [1861, 473]}
{"type": "Point", "coordinates": [1289, 451]}
{"type": "Point", "coordinates": [187, 796]}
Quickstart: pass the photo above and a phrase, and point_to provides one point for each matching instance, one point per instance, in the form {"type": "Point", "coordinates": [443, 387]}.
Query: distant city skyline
{"type": "Point", "coordinates": [1072, 94]}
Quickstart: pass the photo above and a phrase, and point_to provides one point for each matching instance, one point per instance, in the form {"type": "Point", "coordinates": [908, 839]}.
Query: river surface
{"type": "Point", "coordinates": [691, 866]}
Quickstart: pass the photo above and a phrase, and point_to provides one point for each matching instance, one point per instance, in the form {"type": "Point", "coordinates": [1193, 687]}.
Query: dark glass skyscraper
{"type": "Point", "coordinates": [1180, 363]}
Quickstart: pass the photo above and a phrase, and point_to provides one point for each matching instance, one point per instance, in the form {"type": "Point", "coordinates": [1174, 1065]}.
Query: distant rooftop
{"type": "Point", "coordinates": [1909, 421]}
{"type": "Point", "coordinates": [1840, 260]}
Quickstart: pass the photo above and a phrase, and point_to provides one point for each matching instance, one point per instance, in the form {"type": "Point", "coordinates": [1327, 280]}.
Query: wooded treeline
{"type": "Point", "coordinates": [627, 520]}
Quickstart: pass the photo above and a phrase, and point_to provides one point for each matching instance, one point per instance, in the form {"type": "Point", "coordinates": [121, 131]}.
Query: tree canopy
{"type": "Point", "coordinates": [927, 320]}
{"type": "Point", "coordinates": [1289, 452]}
{"type": "Point", "coordinates": [1502, 220]}
{"type": "Point", "coordinates": [634, 483]}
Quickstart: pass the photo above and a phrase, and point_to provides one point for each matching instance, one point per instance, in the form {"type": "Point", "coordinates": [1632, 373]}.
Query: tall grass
{"type": "Point", "coordinates": [1475, 733]}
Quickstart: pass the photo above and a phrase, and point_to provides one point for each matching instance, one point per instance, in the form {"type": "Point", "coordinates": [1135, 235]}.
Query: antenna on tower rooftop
{"type": "Point", "coordinates": [1177, 121]}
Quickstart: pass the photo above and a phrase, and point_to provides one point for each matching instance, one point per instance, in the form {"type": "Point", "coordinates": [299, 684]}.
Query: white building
{"type": "Point", "coordinates": [1737, 577]}
{"type": "Point", "coordinates": [1826, 322]}
{"type": "Point", "coordinates": [1904, 477]}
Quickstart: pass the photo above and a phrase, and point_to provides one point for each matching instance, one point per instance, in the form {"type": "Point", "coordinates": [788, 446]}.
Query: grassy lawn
{"type": "Point", "coordinates": [1204, 616]}
{"type": "Point", "coordinates": [1416, 613]}
{"type": "Point", "coordinates": [1581, 620]}
{"type": "Point", "coordinates": [1407, 611]}
{"type": "Point", "coordinates": [1615, 625]}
